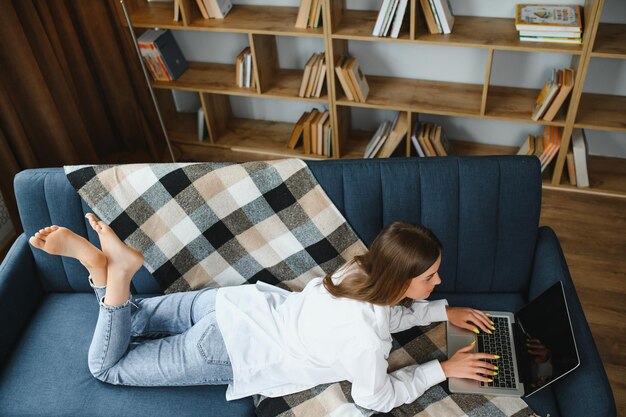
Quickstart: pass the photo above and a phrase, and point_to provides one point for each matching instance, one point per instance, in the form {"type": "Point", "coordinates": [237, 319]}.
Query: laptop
{"type": "Point", "coordinates": [536, 346]}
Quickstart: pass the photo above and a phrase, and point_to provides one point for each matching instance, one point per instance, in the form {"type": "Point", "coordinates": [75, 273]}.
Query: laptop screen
{"type": "Point", "coordinates": [544, 340]}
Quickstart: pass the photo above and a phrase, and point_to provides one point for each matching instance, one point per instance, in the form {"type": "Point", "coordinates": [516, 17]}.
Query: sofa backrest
{"type": "Point", "coordinates": [485, 210]}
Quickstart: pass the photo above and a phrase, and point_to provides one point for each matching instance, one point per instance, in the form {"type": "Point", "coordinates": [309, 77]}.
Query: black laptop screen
{"type": "Point", "coordinates": [544, 340]}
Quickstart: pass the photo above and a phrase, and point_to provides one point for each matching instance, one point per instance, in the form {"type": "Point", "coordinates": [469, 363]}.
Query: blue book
{"type": "Point", "coordinates": [169, 51]}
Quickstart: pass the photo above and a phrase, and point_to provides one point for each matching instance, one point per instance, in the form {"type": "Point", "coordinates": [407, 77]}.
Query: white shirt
{"type": "Point", "coordinates": [281, 342]}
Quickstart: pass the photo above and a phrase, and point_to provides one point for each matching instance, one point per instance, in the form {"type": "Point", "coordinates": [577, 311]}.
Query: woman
{"type": "Point", "coordinates": [261, 339]}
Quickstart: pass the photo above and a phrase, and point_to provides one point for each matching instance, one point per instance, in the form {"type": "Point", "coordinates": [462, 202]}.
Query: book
{"type": "Point", "coordinates": [202, 8]}
{"type": "Point", "coordinates": [571, 41]}
{"type": "Point", "coordinates": [303, 14]}
{"type": "Point", "coordinates": [552, 144]}
{"type": "Point", "coordinates": [202, 126]}
{"type": "Point", "coordinates": [377, 31]}
{"type": "Point", "coordinates": [551, 34]}
{"type": "Point", "coordinates": [219, 8]}
{"type": "Point", "coordinates": [239, 68]}
{"type": "Point", "coordinates": [399, 19]}
{"type": "Point", "coordinates": [580, 151]}
{"type": "Point", "coordinates": [435, 15]}
{"type": "Point", "coordinates": [176, 10]}
{"type": "Point", "coordinates": [314, 128]}
{"type": "Point", "coordinates": [160, 47]}
{"type": "Point", "coordinates": [389, 18]}
{"type": "Point", "coordinates": [358, 80]}
{"type": "Point", "coordinates": [312, 13]}
{"type": "Point", "coordinates": [429, 17]}
{"type": "Point", "coordinates": [317, 17]}
{"type": "Point", "coordinates": [440, 141]}
{"type": "Point", "coordinates": [248, 69]}
{"type": "Point", "coordinates": [525, 148]}
{"type": "Point", "coordinates": [306, 130]}
{"type": "Point", "coordinates": [444, 13]}
{"type": "Point", "coordinates": [380, 140]}
{"type": "Point", "coordinates": [320, 82]}
{"type": "Point", "coordinates": [296, 133]}
{"type": "Point", "coordinates": [547, 94]}
{"type": "Point", "coordinates": [319, 150]}
{"type": "Point", "coordinates": [398, 132]}
{"type": "Point", "coordinates": [571, 168]}
{"type": "Point", "coordinates": [565, 89]}
{"type": "Point", "coordinates": [375, 139]}
{"type": "Point", "coordinates": [424, 139]}
{"type": "Point", "coordinates": [308, 68]}
{"type": "Point", "coordinates": [342, 79]}
{"type": "Point", "coordinates": [349, 80]}
{"type": "Point", "coordinates": [328, 132]}
{"type": "Point", "coordinates": [416, 144]}
{"type": "Point", "coordinates": [557, 17]}
{"type": "Point", "coordinates": [315, 76]}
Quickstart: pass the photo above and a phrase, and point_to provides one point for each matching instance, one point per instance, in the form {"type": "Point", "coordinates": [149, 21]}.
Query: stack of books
{"type": "Point", "coordinates": [545, 146]}
{"type": "Point", "coordinates": [314, 76]}
{"type": "Point", "coordinates": [553, 94]}
{"type": "Point", "coordinates": [315, 131]}
{"type": "Point", "coordinates": [429, 139]}
{"type": "Point", "coordinates": [387, 137]}
{"type": "Point", "coordinates": [390, 17]}
{"type": "Point", "coordinates": [161, 54]}
{"type": "Point", "coordinates": [245, 76]}
{"type": "Point", "coordinates": [309, 14]}
{"type": "Point", "coordinates": [577, 160]}
{"type": "Point", "coordinates": [549, 23]}
{"type": "Point", "coordinates": [352, 79]}
{"type": "Point", "coordinates": [214, 9]}
{"type": "Point", "coordinates": [438, 16]}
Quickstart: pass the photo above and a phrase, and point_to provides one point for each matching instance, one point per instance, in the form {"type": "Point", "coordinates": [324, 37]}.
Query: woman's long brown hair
{"type": "Point", "coordinates": [401, 251]}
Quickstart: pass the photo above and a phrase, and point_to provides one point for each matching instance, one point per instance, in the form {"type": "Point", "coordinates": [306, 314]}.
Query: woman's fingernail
{"type": "Point", "coordinates": [492, 322]}
{"type": "Point", "coordinates": [490, 380]}
{"type": "Point", "coordinates": [495, 373]}
{"type": "Point", "coordinates": [475, 330]}
{"type": "Point", "coordinates": [473, 342]}
{"type": "Point", "coordinates": [496, 357]}
{"type": "Point", "coordinates": [489, 331]}
{"type": "Point", "coordinates": [495, 367]}
{"type": "Point", "coordinates": [493, 328]}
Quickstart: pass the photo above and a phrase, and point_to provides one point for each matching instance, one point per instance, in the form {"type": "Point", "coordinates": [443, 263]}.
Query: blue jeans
{"type": "Point", "coordinates": [170, 340]}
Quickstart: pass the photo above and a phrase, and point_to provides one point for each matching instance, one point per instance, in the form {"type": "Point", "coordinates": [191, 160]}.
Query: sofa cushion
{"type": "Point", "coordinates": [57, 341]}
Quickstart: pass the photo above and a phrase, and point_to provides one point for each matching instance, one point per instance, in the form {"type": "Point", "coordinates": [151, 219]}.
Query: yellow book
{"type": "Point", "coordinates": [553, 17]}
{"type": "Point", "coordinates": [296, 133]}
{"type": "Point", "coordinates": [342, 79]}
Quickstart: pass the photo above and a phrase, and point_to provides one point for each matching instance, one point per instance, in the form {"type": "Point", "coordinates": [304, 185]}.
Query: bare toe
{"type": "Point", "coordinates": [36, 242]}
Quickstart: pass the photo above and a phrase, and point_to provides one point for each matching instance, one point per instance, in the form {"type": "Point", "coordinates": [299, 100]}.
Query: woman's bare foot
{"type": "Point", "coordinates": [57, 240]}
{"type": "Point", "coordinates": [122, 262]}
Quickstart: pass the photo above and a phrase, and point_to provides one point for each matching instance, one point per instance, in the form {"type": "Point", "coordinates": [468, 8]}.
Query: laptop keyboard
{"type": "Point", "coordinates": [499, 343]}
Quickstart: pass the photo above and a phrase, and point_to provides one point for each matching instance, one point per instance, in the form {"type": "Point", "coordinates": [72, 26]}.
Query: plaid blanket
{"type": "Point", "coordinates": [217, 224]}
{"type": "Point", "coordinates": [416, 345]}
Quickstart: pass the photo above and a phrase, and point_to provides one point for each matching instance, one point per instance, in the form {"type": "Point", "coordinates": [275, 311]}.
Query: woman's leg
{"type": "Point", "coordinates": [197, 356]}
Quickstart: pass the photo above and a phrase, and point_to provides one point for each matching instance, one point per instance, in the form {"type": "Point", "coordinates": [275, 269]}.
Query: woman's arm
{"type": "Point", "coordinates": [421, 313]}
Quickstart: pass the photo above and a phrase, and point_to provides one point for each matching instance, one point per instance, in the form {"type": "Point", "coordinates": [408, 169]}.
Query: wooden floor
{"type": "Point", "coordinates": [592, 231]}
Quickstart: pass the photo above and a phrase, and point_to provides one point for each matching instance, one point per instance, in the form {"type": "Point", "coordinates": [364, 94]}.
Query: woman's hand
{"type": "Point", "coordinates": [466, 364]}
{"type": "Point", "coordinates": [470, 319]}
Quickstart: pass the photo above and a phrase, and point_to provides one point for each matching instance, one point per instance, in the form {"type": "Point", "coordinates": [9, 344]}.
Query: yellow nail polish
{"type": "Point", "coordinates": [490, 380]}
{"type": "Point", "coordinates": [493, 328]}
{"type": "Point", "coordinates": [492, 322]}
{"type": "Point", "coordinates": [495, 373]}
{"type": "Point", "coordinates": [473, 342]}
{"type": "Point", "coordinates": [496, 357]}
{"type": "Point", "coordinates": [476, 331]}
{"type": "Point", "coordinates": [489, 331]}
{"type": "Point", "coordinates": [495, 367]}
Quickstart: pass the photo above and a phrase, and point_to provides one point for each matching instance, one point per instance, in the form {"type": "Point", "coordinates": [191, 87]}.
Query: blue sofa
{"type": "Point", "coordinates": [484, 209]}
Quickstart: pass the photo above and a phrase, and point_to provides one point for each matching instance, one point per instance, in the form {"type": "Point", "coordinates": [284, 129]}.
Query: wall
{"type": "Point", "coordinates": [466, 65]}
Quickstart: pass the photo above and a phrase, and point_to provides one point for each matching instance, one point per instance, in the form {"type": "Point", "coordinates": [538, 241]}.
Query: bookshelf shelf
{"type": "Point", "coordinates": [272, 20]}
{"type": "Point", "coordinates": [515, 104]}
{"type": "Point", "coordinates": [493, 33]}
{"type": "Point", "coordinates": [602, 112]}
{"type": "Point", "coordinates": [610, 41]}
{"type": "Point", "coordinates": [215, 83]}
{"type": "Point", "coordinates": [436, 97]}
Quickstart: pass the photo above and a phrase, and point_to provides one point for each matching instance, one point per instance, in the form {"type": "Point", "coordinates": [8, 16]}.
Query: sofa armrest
{"type": "Point", "coordinates": [20, 292]}
{"type": "Point", "coordinates": [586, 391]}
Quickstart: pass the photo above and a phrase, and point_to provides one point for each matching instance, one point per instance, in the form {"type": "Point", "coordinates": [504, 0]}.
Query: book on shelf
{"type": "Point", "coordinates": [571, 41]}
{"type": "Point", "coordinates": [308, 69]}
{"type": "Point", "coordinates": [429, 16]}
{"type": "Point", "coordinates": [356, 79]}
{"type": "Point", "coordinates": [548, 17]}
{"type": "Point", "coordinates": [327, 138]}
{"type": "Point", "coordinates": [580, 151]}
{"type": "Point", "coordinates": [218, 9]}
{"type": "Point", "coordinates": [547, 94]}
{"type": "Point", "coordinates": [315, 76]}
{"type": "Point", "coordinates": [440, 141]}
{"type": "Point", "coordinates": [528, 147]}
{"type": "Point", "coordinates": [244, 69]}
{"type": "Point", "coordinates": [342, 79]}
{"type": "Point", "coordinates": [203, 132]}
{"type": "Point", "coordinates": [443, 12]}
{"type": "Point", "coordinates": [545, 146]}
{"type": "Point", "coordinates": [423, 137]}
{"type": "Point", "coordinates": [203, 11]}
{"type": "Point", "coordinates": [397, 133]}
{"type": "Point", "coordinates": [414, 133]}
{"type": "Point", "coordinates": [319, 142]}
{"type": "Point", "coordinates": [176, 10]}
{"type": "Point", "coordinates": [567, 84]}
{"type": "Point", "coordinates": [398, 19]}
{"type": "Point", "coordinates": [571, 168]}
{"type": "Point", "coordinates": [309, 14]}
{"type": "Point", "coordinates": [297, 131]}
{"type": "Point", "coordinates": [162, 55]}
{"type": "Point", "coordinates": [384, 10]}
{"type": "Point", "coordinates": [390, 18]}
{"type": "Point", "coordinates": [307, 130]}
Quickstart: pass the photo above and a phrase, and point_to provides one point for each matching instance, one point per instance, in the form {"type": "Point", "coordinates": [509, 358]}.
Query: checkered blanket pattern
{"type": "Point", "coordinates": [218, 224]}
{"type": "Point", "coordinates": [416, 345]}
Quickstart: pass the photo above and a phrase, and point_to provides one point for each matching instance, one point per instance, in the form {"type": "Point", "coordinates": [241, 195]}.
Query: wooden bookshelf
{"type": "Point", "coordinates": [215, 83]}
